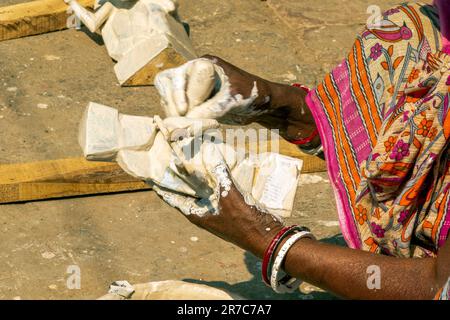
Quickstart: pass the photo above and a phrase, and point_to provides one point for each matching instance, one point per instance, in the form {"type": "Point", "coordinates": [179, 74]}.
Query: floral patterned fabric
{"type": "Point", "coordinates": [383, 118]}
{"type": "Point", "coordinates": [444, 293]}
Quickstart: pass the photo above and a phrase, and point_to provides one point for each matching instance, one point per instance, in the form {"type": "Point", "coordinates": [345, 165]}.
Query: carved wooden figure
{"type": "Point", "coordinates": [144, 39]}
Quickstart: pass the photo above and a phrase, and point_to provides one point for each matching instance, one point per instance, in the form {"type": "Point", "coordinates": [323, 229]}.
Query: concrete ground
{"type": "Point", "coordinates": [45, 83]}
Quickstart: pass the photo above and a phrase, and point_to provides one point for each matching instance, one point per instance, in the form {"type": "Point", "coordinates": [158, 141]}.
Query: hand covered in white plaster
{"type": "Point", "coordinates": [178, 128]}
{"type": "Point", "coordinates": [181, 157]}
{"type": "Point", "coordinates": [177, 157]}
{"type": "Point", "coordinates": [211, 174]}
{"type": "Point", "coordinates": [211, 88]}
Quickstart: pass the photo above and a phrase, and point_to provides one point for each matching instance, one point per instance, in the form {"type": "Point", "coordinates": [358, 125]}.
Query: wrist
{"type": "Point", "coordinates": [262, 238]}
{"type": "Point", "coordinates": [286, 96]}
{"type": "Point", "coordinates": [251, 229]}
{"type": "Point", "coordinates": [290, 113]}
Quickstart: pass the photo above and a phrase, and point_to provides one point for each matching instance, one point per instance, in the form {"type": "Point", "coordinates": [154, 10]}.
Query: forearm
{"type": "Point", "coordinates": [283, 95]}
{"type": "Point", "coordinates": [346, 272]}
{"type": "Point", "coordinates": [350, 273]}
{"type": "Point", "coordinates": [342, 271]}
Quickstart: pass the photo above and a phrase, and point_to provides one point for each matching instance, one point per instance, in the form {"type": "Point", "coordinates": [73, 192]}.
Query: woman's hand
{"type": "Point", "coordinates": [239, 223]}
{"type": "Point", "coordinates": [211, 88]}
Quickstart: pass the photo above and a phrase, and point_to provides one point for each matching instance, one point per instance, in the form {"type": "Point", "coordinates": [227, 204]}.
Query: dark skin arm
{"type": "Point", "coordinates": [287, 111]}
{"type": "Point", "coordinates": [340, 270]}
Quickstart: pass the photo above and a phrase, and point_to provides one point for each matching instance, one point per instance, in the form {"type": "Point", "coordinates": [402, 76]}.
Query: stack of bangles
{"type": "Point", "coordinates": [272, 274]}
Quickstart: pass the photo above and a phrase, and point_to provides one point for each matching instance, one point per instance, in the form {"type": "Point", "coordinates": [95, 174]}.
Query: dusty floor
{"type": "Point", "coordinates": [45, 83]}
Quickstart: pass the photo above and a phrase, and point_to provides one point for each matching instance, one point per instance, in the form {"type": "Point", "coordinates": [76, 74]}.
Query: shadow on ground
{"type": "Point", "coordinates": [255, 289]}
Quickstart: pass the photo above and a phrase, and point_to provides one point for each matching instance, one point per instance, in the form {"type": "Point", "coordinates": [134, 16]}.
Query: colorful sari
{"type": "Point", "coordinates": [383, 118]}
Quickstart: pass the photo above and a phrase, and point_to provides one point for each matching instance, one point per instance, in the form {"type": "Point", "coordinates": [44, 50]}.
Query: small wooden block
{"type": "Point", "coordinates": [35, 17]}
{"type": "Point", "coordinates": [168, 58]}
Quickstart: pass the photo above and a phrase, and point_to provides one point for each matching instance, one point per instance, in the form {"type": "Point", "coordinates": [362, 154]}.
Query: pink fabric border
{"type": "Point", "coordinates": [444, 20]}
{"type": "Point", "coordinates": [345, 215]}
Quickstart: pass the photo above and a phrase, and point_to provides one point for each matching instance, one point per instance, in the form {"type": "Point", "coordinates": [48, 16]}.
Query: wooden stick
{"type": "Point", "coordinates": [77, 177]}
{"type": "Point", "coordinates": [63, 178]}
{"type": "Point", "coordinates": [35, 17]}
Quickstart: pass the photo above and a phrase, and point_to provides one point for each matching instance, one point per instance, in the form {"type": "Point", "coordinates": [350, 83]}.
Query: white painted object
{"type": "Point", "coordinates": [136, 36]}
{"type": "Point", "coordinates": [104, 132]}
{"type": "Point", "coordinates": [182, 164]}
{"type": "Point", "coordinates": [276, 183]}
{"type": "Point", "coordinates": [166, 290]}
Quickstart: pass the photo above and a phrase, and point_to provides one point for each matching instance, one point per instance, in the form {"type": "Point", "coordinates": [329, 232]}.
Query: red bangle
{"type": "Point", "coordinates": [315, 132]}
{"type": "Point", "coordinates": [269, 253]}
{"type": "Point", "coordinates": [307, 139]}
{"type": "Point", "coordinates": [292, 229]}
{"type": "Point", "coordinates": [305, 88]}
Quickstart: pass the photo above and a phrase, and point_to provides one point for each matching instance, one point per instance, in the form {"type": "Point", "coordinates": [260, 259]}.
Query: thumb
{"type": "Point", "coordinates": [212, 160]}
{"type": "Point", "coordinates": [181, 127]}
{"type": "Point", "coordinates": [220, 103]}
{"type": "Point", "coordinates": [201, 81]}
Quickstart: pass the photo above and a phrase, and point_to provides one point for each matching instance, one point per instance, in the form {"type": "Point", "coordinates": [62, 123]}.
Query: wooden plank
{"type": "Point", "coordinates": [77, 177]}
{"type": "Point", "coordinates": [35, 17]}
{"type": "Point", "coordinates": [310, 163]}
{"type": "Point", "coordinates": [63, 178]}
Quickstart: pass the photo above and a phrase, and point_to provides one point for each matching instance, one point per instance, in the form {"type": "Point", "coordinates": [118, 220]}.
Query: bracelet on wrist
{"type": "Point", "coordinates": [280, 281]}
{"type": "Point", "coordinates": [268, 253]}
{"type": "Point", "coordinates": [271, 249]}
{"type": "Point", "coordinates": [307, 140]}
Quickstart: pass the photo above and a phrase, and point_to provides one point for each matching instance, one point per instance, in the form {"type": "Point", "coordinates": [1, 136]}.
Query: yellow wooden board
{"type": "Point", "coordinates": [35, 17]}
{"type": "Point", "coordinates": [63, 178]}
{"type": "Point", "coordinates": [168, 58]}
{"type": "Point", "coordinates": [310, 163]}
{"type": "Point", "coordinates": [77, 177]}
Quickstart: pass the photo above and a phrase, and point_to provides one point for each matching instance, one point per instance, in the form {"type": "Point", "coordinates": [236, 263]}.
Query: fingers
{"type": "Point", "coordinates": [163, 84]}
{"type": "Point", "coordinates": [179, 83]}
{"type": "Point", "coordinates": [210, 110]}
{"type": "Point", "coordinates": [225, 65]}
{"type": "Point", "coordinates": [181, 127]}
{"type": "Point", "coordinates": [175, 200]}
{"type": "Point", "coordinates": [218, 105]}
{"type": "Point", "coordinates": [205, 111]}
{"type": "Point", "coordinates": [201, 81]}
{"type": "Point", "coordinates": [186, 86]}
{"type": "Point", "coordinates": [212, 158]}
{"type": "Point", "coordinates": [214, 59]}
{"type": "Point", "coordinates": [207, 124]}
